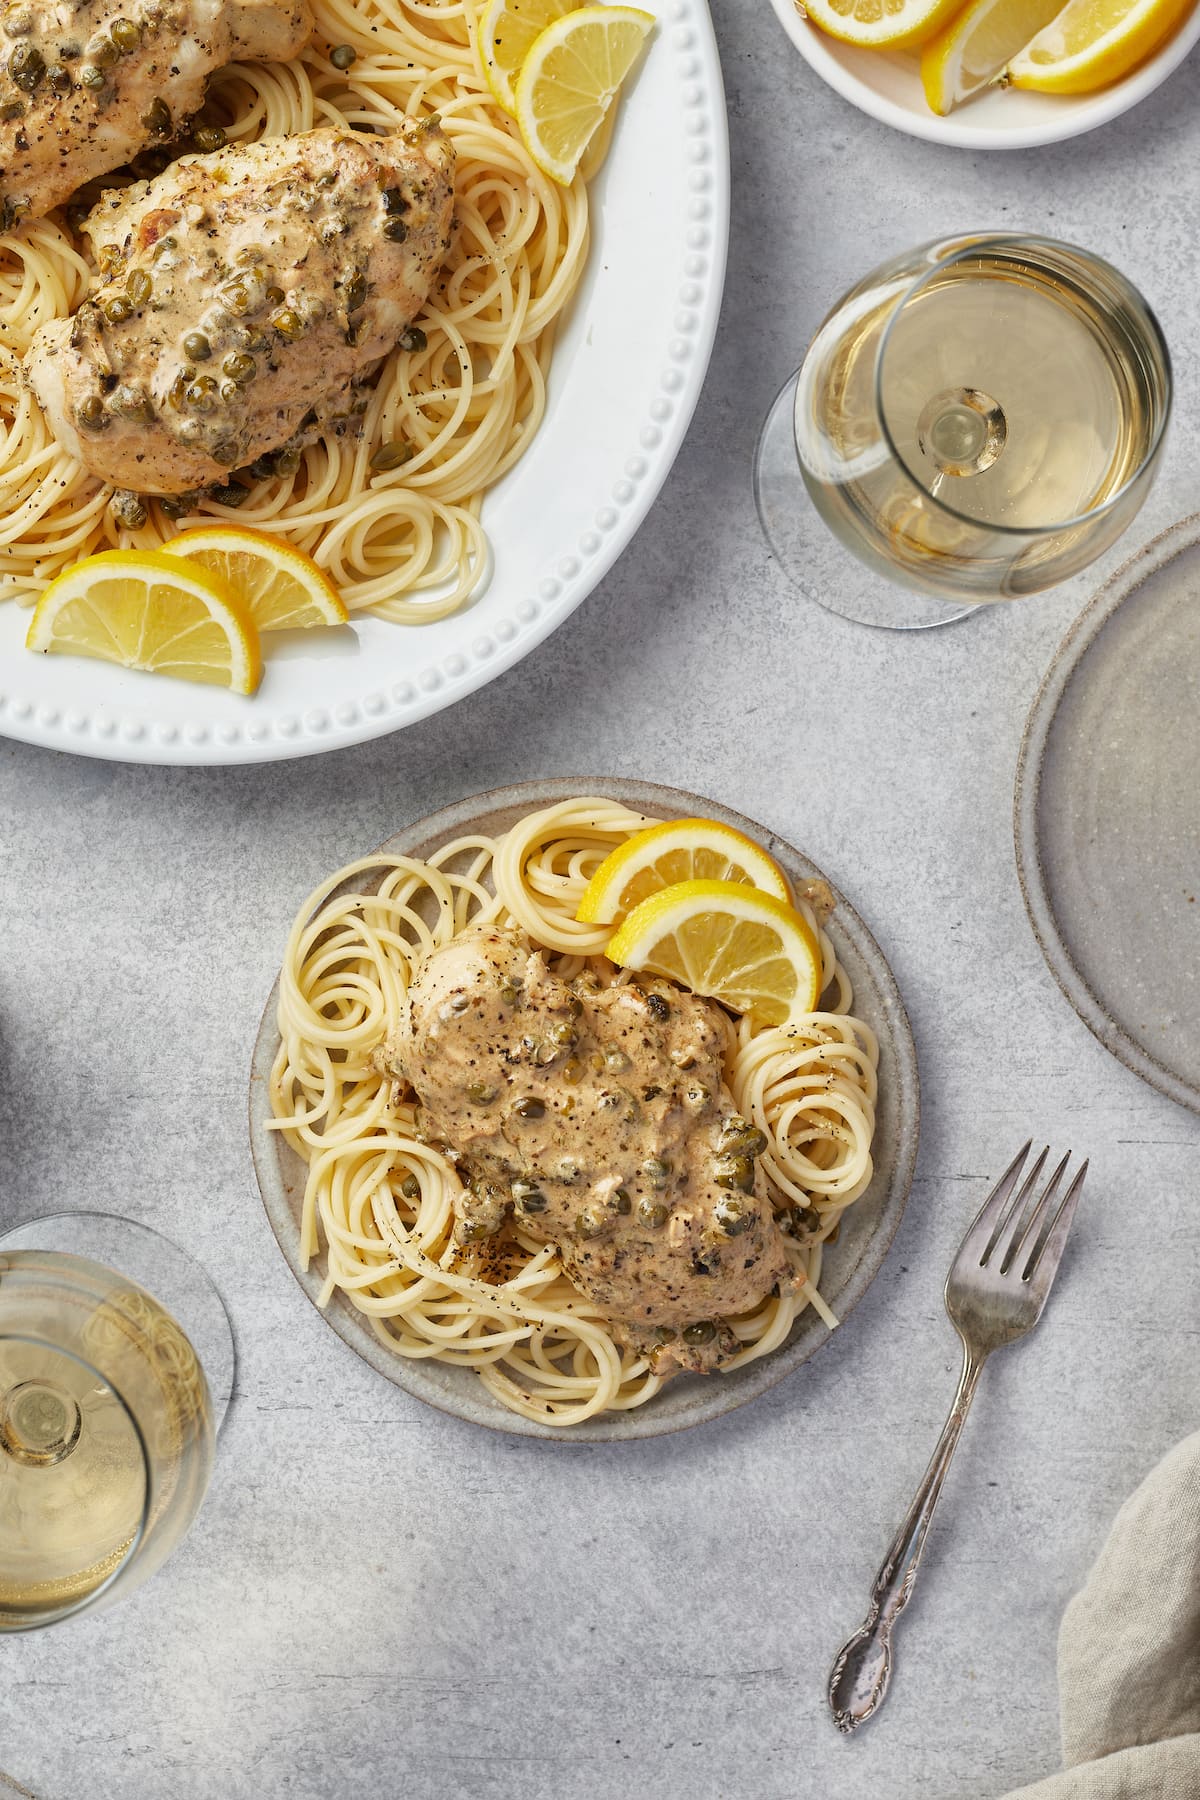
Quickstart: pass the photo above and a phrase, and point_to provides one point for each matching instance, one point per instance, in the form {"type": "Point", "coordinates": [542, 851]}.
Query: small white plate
{"type": "Point", "coordinates": [849, 1266]}
{"type": "Point", "coordinates": [888, 86]}
{"type": "Point", "coordinates": [627, 371]}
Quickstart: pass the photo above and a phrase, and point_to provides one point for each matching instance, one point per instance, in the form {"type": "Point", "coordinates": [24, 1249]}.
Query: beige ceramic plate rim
{"type": "Point", "coordinates": [687, 1401]}
{"type": "Point", "coordinates": [1121, 586]}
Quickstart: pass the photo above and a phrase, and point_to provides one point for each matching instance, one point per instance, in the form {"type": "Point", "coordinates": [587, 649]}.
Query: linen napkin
{"type": "Point", "coordinates": [1129, 1651]}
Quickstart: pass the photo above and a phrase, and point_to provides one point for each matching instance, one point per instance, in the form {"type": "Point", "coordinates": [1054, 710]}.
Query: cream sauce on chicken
{"type": "Point", "coordinates": [245, 297]}
{"type": "Point", "coordinates": [598, 1119]}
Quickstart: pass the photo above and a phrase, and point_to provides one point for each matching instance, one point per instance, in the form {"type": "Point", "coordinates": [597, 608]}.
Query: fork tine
{"type": "Point", "coordinates": [1047, 1251]}
{"type": "Point", "coordinates": [1039, 1211]}
{"type": "Point", "coordinates": [1021, 1210]}
{"type": "Point", "coordinates": [980, 1232]}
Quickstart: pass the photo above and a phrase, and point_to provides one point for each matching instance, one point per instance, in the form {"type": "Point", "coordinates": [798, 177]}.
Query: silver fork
{"type": "Point", "coordinates": [997, 1287]}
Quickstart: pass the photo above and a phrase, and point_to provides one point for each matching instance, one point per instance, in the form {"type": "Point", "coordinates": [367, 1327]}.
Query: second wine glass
{"type": "Point", "coordinates": [977, 420]}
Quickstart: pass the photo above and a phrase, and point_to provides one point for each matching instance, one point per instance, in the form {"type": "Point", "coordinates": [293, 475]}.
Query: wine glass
{"type": "Point", "coordinates": [108, 1409]}
{"type": "Point", "coordinates": [975, 421]}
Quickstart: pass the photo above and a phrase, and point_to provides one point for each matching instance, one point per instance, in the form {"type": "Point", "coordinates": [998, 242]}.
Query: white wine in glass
{"type": "Point", "coordinates": [977, 420]}
{"type": "Point", "coordinates": [106, 1431]}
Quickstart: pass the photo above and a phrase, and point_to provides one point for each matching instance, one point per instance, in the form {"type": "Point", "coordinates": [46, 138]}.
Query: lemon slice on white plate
{"type": "Point", "coordinates": [727, 941]}
{"type": "Point", "coordinates": [680, 850]}
{"type": "Point", "coordinates": [148, 611]}
{"type": "Point", "coordinates": [1092, 43]}
{"type": "Point", "coordinates": [570, 78]}
{"type": "Point", "coordinates": [282, 587]}
{"type": "Point", "coordinates": [881, 24]}
{"type": "Point", "coordinates": [976, 46]}
{"type": "Point", "coordinates": [507, 33]}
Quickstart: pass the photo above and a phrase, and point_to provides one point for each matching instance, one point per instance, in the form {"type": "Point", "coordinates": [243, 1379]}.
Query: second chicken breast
{"type": "Point", "coordinates": [242, 295]}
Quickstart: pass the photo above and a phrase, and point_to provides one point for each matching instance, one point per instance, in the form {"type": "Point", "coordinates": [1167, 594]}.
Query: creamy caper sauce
{"type": "Point", "coordinates": [84, 86]}
{"type": "Point", "coordinates": [245, 296]}
{"type": "Point", "coordinates": [597, 1118]}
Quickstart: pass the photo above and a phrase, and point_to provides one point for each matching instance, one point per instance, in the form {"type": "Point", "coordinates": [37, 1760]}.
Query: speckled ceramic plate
{"type": "Point", "coordinates": [867, 1228]}
{"type": "Point", "coordinates": [1107, 814]}
{"type": "Point", "coordinates": [628, 366]}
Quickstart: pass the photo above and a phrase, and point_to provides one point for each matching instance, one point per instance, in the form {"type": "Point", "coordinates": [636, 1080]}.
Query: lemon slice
{"type": "Point", "coordinates": [881, 24]}
{"type": "Point", "coordinates": [680, 850]}
{"type": "Point", "coordinates": [569, 79]}
{"type": "Point", "coordinates": [507, 32]}
{"type": "Point", "coordinates": [281, 587]}
{"type": "Point", "coordinates": [974, 48]}
{"type": "Point", "coordinates": [1092, 43]}
{"type": "Point", "coordinates": [728, 941]}
{"type": "Point", "coordinates": [148, 611]}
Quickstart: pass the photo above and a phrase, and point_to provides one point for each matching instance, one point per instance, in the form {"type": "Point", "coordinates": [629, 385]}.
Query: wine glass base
{"type": "Point", "coordinates": [169, 1274]}
{"type": "Point", "coordinates": [813, 559]}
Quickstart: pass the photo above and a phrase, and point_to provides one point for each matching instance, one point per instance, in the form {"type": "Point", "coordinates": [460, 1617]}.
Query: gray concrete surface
{"type": "Point", "coordinates": [377, 1600]}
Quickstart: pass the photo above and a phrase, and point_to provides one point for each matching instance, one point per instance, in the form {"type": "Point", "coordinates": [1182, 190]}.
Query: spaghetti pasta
{"type": "Point", "coordinates": [406, 543]}
{"type": "Point", "coordinates": [381, 1200]}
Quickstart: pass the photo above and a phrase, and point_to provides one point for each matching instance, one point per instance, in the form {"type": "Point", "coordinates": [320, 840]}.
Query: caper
{"type": "Point", "coordinates": [179, 387]}
{"type": "Point", "coordinates": [92, 77]}
{"type": "Point", "coordinates": [410, 1187]}
{"type": "Point", "coordinates": [653, 1214]}
{"type": "Point", "coordinates": [166, 244]}
{"type": "Point", "coordinates": [229, 392]}
{"type": "Point", "coordinates": [202, 394]}
{"type": "Point", "coordinates": [228, 453]}
{"type": "Point", "coordinates": [394, 200]}
{"type": "Point", "coordinates": [343, 56]}
{"type": "Point", "coordinates": [326, 179]}
{"type": "Point", "coordinates": [546, 1052]}
{"type": "Point", "coordinates": [287, 462]}
{"type": "Point", "coordinates": [697, 1095]}
{"type": "Point", "coordinates": [18, 21]}
{"type": "Point", "coordinates": [91, 413]}
{"type": "Point", "coordinates": [236, 297]}
{"type": "Point", "coordinates": [590, 1223]}
{"type": "Point", "coordinates": [658, 1006]}
{"type": "Point", "coordinates": [209, 137]}
{"type": "Point", "coordinates": [702, 1332]}
{"type": "Point", "coordinates": [663, 1334]}
{"type": "Point", "coordinates": [59, 78]}
{"type": "Point", "coordinates": [412, 339]}
{"type": "Point", "coordinates": [175, 506]}
{"type": "Point", "coordinates": [470, 1231]}
{"type": "Point", "coordinates": [251, 253]}
{"type": "Point", "coordinates": [197, 347]}
{"type": "Point", "coordinates": [656, 1171]}
{"type": "Point", "coordinates": [16, 207]}
{"type": "Point", "coordinates": [131, 403]}
{"type": "Point", "coordinates": [139, 287]}
{"type": "Point", "coordinates": [103, 52]}
{"type": "Point", "coordinates": [356, 291]}
{"type": "Point", "coordinates": [731, 1217]}
{"type": "Point", "coordinates": [734, 1172]}
{"type": "Point", "coordinates": [457, 1004]}
{"type": "Point", "coordinates": [287, 322]}
{"type": "Point", "coordinates": [109, 259]}
{"type": "Point", "coordinates": [706, 1262]}
{"type": "Point", "coordinates": [563, 1033]}
{"type": "Point", "coordinates": [125, 34]}
{"type": "Point", "coordinates": [157, 118]}
{"type": "Point", "coordinates": [394, 456]}
{"type": "Point", "coordinates": [12, 109]}
{"type": "Point", "coordinates": [802, 1220]}
{"type": "Point", "coordinates": [481, 1092]}
{"type": "Point", "coordinates": [240, 369]}
{"type": "Point", "coordinates": [742, 1139]}
{"type": "Point", "coordinates": [616, 1060]}
{"type": "Point", "coordinates": [529, 1107]}
{"type": "Point", "coordinates": [508, 993]}
{"type": "Point", "coordinates": [128, 509]}
{"type": "Point", "coordinates": [118, 309]}
{"type": "Point", "coordinates": [431, 121]}
{"type": "Point", "coordinates": [571, 1071]}
{"type": "Point", "coordinates": [529, 1197]}
{"type": "Point", "coordinates": [26, 66]}
{"type": "Point", "coordinates": [621, 1202]}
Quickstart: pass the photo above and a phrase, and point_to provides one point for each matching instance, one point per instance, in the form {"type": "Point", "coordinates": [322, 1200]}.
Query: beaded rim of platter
{"type": "Point", "coordinates": [849, 1266]}
{"type": "Point", "coordinates": [684, 317]}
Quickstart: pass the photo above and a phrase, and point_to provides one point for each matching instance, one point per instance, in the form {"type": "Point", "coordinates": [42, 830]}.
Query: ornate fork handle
{"type": "Point", "coordinates": [863, 1667]}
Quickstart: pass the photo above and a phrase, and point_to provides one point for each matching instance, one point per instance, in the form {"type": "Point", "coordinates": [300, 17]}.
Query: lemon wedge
{"type": "Point", "coordinates": [569, 79]}
{"type": "Point", "coordinates": [1092, 43]}
{"type": "Point", "coordinates": [148, 611]}
{"type": "Point", "coordinates": [881, 24]}
{"type": "Point", "coordinates": [663, 855]}
{"type": "Point", "coordinates": [976, 46]}
{"type": "Point", "coordinates": [731, 942]}
{"type": "Point", "coordinates": [281, 587]}
{"type": "Point", "coordinates": [507, 32]}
